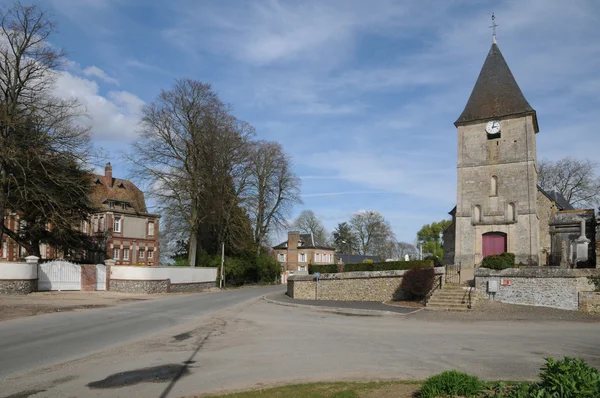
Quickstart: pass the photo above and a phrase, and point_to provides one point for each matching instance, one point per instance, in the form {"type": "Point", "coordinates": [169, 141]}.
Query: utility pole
{"type": "Point", "coordinates": [222, 283]}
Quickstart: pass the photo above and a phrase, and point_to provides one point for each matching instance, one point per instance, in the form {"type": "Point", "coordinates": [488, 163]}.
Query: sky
{"type": "Point", "coordinates": [362, 94]}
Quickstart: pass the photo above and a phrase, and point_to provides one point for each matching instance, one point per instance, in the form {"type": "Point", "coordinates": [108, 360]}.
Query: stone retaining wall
{"type": "Point", "coordinates": [191, 287]}
{"type": "Point", "coordinates": [537, 286]}
{"type": "Point", "coordinates": [589, 302]}
{"type": "Point", "coordinates": [349, 286]}
{"type": "Point", "coordinates": [133, 286]}
{"type": "Point", "coordinates": [18, 286]}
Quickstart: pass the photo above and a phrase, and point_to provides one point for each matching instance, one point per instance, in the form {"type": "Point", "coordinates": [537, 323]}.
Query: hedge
{"type": "Point", "coordinates": [383, 266]}
{"type": "Point", "coordinates": [499, 261]}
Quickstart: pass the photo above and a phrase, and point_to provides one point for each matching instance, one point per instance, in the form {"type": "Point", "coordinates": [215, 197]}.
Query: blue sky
{"type": "Point", "coordinates": [363, 94]}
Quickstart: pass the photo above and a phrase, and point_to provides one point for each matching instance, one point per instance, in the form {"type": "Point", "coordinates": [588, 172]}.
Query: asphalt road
{"type": "Point", "coordinates": [32, 342]}
{"type": "Point", "coordinates": [227, 341]}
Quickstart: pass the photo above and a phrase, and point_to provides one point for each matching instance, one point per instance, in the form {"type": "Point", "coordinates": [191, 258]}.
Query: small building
{"type": "Point", "coordinates": [122, 220]}
{"type": "Point", "coordinates": [354, 258]}
{"type": "Point", "coordinates": [301, 250]}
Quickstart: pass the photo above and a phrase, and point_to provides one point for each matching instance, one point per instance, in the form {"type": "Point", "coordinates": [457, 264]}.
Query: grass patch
{"type": "Point", "coordinates": [384, 389]}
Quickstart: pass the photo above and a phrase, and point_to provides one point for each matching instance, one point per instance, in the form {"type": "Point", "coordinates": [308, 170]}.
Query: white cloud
{"type": "Point", "coordinates": [100, 74]}
{"type": "Point", "coordinates": [113, 117]}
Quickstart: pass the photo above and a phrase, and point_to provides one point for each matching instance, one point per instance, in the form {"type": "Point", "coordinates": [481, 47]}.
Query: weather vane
{"type": "Point", "coordinates": [493, 26]}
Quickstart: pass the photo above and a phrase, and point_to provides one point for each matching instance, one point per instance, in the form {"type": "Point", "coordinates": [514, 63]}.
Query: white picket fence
{"type": "Point", "coordinates": [59, 275]}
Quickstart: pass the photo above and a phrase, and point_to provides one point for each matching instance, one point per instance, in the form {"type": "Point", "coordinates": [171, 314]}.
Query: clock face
{"type": "Point", "coordinates": [493, 127]}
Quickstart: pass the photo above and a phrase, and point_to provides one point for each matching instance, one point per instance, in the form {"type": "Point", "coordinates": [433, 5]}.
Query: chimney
{"type": "Point", "coordinates": [108, 175]}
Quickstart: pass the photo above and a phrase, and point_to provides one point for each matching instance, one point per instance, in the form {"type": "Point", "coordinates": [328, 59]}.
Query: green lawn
{"type": "Point", "coordinates": [396, 389]}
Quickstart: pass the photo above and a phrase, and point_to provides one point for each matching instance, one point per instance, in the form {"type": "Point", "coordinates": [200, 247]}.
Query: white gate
{"type": "Point", "coordinates": [100, 277]}
{"type": "Point", "coordinates": [59, 275]}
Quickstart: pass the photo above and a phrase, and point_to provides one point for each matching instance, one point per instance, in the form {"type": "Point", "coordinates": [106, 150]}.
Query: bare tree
{"type": "Point", "coordinates": [193, 155]}
{"type": "Point", "coordinates": [372, 231]}
{"type": "Point", "coordinates": [308, 223]}
{"type": "Point", "coordinates": [574, 179]}
{"type": "Point", "coordinates": [273, 189]}
{"type": "Point", "coordinates": [43, 151]}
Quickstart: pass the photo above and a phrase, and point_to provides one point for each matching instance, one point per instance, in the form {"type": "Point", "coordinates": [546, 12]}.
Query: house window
{"type": "Point", "coordinates": [150, 254]}
{"type": "Point", "coordinates": [101, 224]}
{"type": "Point", "coordinates": [317, 258]}
{"type": "Point", "coordinates": [281, 257]}
{"type": "Point", "coordinates": [5, 249]}
{"type": "Point", "coordinates": [494, 186]}
{"type": "Point", "coordinates": [477, 213]}
{"type": "Point", "coordinates": [302, 257]}
{"type": "Point", "coordinates": [116, 254]}
{"type": "Point", "coordinates": [125, 254]}
{"type": "Point", "coordinates": [511, 212]}
{"type": "Point", "coordinates": [117, 224]}
{"type": "Point", "coordinates": [141, 253]}
{"type": "Point", "coordinates": [84, 227]}
{"type": "Point", "coordinates": [43, 248]}
{"type": "Point", "coordinates": [124, 206]}
{"type": "Point", "coordinates": [151, 228]}
{"type": "Point", "coordinates": [302, 268]}
{"type": "Point", "coordinates": [111, 205]}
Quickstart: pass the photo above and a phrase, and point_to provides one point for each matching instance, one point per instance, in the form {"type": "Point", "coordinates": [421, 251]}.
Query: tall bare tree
{"type": "Point", "coordinates": [308, 223]}
{"type": "Point", "coordinates": [575, 179]}
{"type": "Point", "coordinates": [372, 231]}
{"type": "Point", "coordinates": [193, 154]}
{"type": "Point", "coordinates": [273, 189]}
{"type": "Point", "coordinates": [43, 151]}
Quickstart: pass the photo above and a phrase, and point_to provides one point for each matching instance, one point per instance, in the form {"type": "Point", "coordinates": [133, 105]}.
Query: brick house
{"type": "Point", "coordinates": [121, 220]}
{"type": "Point", "coordinates": [301, 250]}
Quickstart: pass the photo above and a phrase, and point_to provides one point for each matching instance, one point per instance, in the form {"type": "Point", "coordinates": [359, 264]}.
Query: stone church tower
{"type": "Point", "coordinates": [496, 208]}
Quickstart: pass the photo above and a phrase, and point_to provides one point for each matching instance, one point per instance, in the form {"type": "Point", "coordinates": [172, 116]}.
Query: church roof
{"type": "Point", "coordinates": [496, 92]}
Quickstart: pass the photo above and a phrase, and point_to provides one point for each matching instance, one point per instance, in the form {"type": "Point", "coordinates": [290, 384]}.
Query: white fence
{"type": "Point", "coordinates": [175, 274]}
{"type": "Point", "coordinates": [100, 277]}
{"type": "Point", "coordinates": [18, 271]}
{"type": "Point", "coordinates": [59, 275]}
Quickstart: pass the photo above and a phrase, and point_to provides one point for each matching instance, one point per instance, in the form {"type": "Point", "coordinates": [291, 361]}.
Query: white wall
{"type": "Point", "coordinates": [175, 274]}
{"type": "Point", "coordinates": [19, 271]}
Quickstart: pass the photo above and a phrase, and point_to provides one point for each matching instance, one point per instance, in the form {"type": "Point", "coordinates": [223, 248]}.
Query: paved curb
{"type": "Point", "coordinates": [339, 310]}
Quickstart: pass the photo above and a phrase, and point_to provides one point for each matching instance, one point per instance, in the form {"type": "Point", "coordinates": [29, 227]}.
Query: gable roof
{"type": "Point", "coordinates": [308, 242]}
{"type": "Point", "coordinates": [561, 202]}
{"type": "Point", "coordinates": [496, 93]}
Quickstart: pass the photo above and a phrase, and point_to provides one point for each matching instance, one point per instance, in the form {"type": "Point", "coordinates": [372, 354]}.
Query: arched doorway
{"type": "Point", "coordinates": [493, 243]}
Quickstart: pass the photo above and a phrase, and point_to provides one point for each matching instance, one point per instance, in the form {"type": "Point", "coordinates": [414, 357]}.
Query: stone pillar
{"type": "Point", "coordinates": [32, 260]}
{"type": "Point", "coordinates": [109, 263]}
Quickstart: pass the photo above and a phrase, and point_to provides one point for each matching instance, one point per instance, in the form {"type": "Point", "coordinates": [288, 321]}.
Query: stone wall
{"type": "Point", "coordinates": [18, 286]}
{"type": "Point", "coordinates": [88, 277]}
{"type": "Point", "coordinates": [589, 302]}
{"type": "Point", "coordinates": [190, 287]}
{"type": "Point", "coordinates": [135, 286]}
{"type": "Point", "coordinates": [349, 286]}
{"type": "Point", "coordinates": [537, 286]}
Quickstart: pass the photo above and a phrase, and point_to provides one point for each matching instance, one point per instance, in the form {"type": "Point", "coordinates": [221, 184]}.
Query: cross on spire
{"type": "Point", "coordinates": [493, 26]}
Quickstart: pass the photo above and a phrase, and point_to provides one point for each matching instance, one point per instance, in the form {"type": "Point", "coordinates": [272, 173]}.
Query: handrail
{"type": "Point", "coordinates": [436, 285]}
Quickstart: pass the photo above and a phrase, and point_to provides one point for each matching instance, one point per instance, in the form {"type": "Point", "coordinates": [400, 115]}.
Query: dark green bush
{"type": "Point", "coordinates": [569, 378]}
{"type": "Point", "coordinates": [383, 266]}
{"type": "Point", "coordinates": [499, 261]}
{"type": "Point", "coordinates": [323, 268]}
{"type": "Point", "coordinates": [451, 384]}
{"type": "Point", "coordinates": [245, 269]}
{"type": "Point", "coordinates": [417, 282]}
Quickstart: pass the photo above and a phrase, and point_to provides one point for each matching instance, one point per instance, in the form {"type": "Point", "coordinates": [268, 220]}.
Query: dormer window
{"type": "Point", "coordinates": [124, 206]}
{"type": "Point", "coordinates": [121, 185]}
{"type": "Point", "coordinates": [111, 205]}
{"type": "Point", "coordinates": [97, 181]}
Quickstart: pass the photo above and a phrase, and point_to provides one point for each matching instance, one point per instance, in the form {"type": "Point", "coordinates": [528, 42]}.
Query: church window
{"type": "Point", "coordinates": [511, 212]}
{"type": "Point", "coordinates": [477, 213]}
{"type": "Point", "coordinates": [494, 188]}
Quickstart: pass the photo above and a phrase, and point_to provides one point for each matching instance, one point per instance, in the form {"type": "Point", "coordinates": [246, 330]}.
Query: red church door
{"type": "Point", "coordinates": [494, 243]}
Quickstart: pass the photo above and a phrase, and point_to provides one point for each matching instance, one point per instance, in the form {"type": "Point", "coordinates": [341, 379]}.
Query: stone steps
{"type": "Point", "coordinates": [451, 298]}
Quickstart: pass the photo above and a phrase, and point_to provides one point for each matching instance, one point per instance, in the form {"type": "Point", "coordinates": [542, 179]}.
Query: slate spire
{"type": "Point", "coordinates": [496, 93]}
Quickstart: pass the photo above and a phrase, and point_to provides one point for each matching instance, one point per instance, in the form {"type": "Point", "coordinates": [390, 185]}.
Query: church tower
{"type": "Point", "coordinates": [496, 208]}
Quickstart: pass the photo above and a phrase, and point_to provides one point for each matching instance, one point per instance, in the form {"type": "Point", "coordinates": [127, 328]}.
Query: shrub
{"type": "Point", "coordinates": [436, 260]}
{"type": "Point", "coordinates": [569, 378]}
{"type": "Point", "coordinates": [499, 261]}
{"type": "Point", "coordinates": [451, 384]}
{"type": "Point", "coordinates": [323, 268]}
{"type": "Point", "coordinates": [417, 282]}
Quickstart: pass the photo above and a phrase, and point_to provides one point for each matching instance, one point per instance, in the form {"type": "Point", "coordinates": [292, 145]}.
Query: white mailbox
{"type": "Point", "coordinates": [492, 286]}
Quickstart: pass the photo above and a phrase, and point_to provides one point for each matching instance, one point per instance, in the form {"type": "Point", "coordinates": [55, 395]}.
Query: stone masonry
{"type": "Point", "coordinates": [18, 286]}
{"type": "Point", "coordinates": [589, 302]}
{"type": "Point", "coordinates": [190, 287]}
{"type": "Point", "coordinates": [132, 286]}
{"type": "Point", "coordinates": [349, 286]}
{"type": "Point", "coordinates": [546, 287]}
